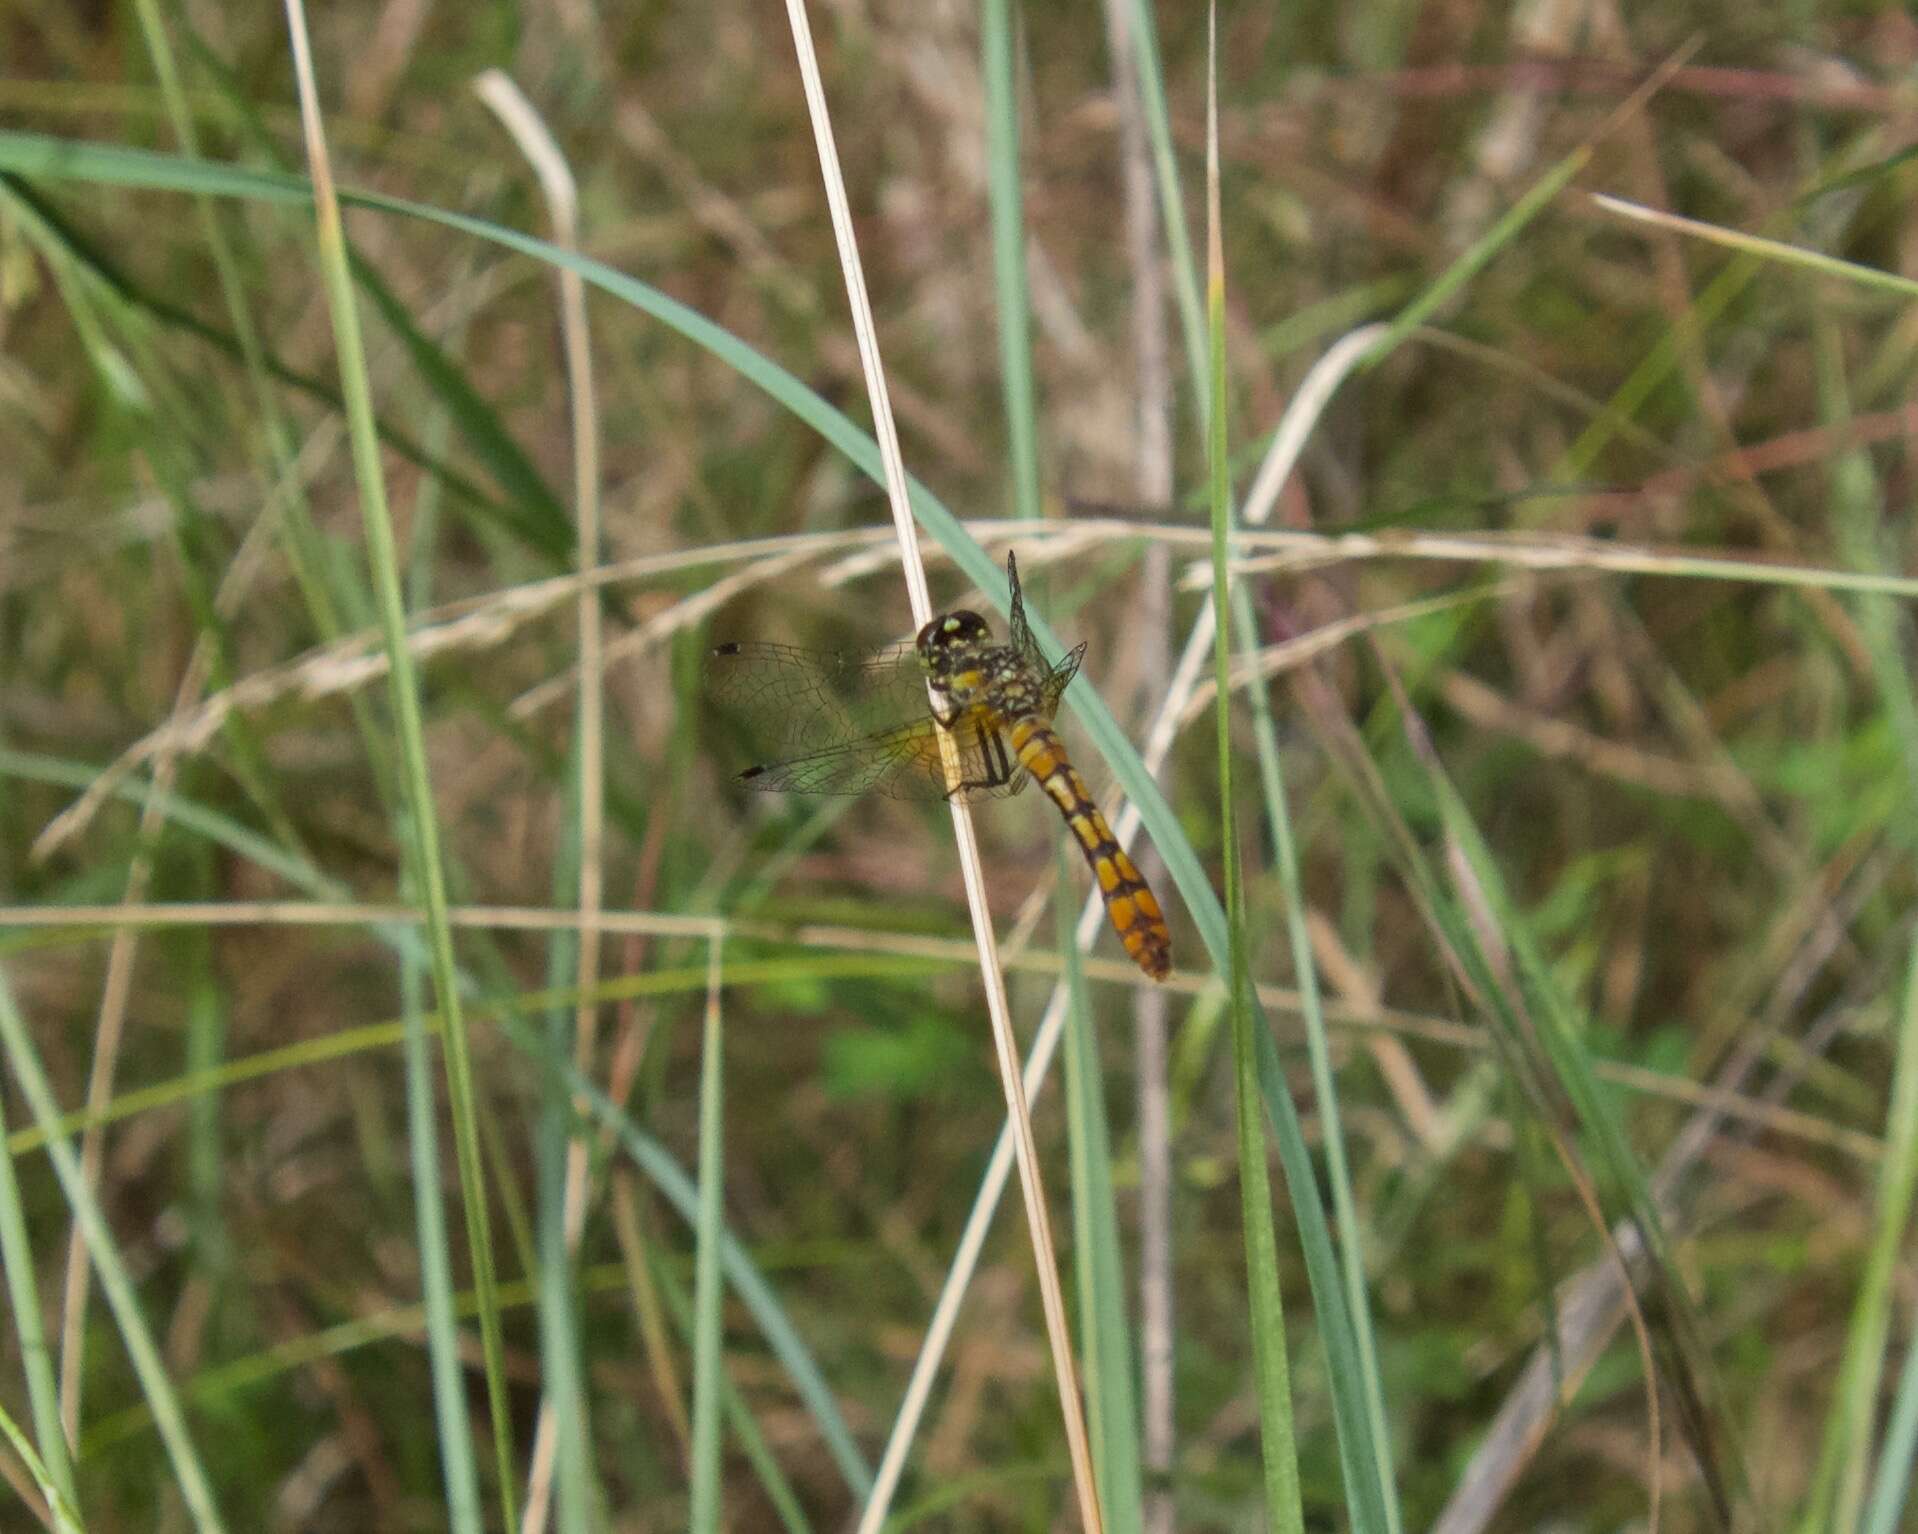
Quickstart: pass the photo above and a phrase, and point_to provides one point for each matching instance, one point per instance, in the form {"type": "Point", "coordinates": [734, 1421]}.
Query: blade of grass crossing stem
{"type": "Point", "coordinates": [438, 1292]}
{"type": "Point", "coordinates": [66, 1517]}
{"type": "Point", "coordinates": [148, 1367]}
{"type": "Point", "coordinates": [1113, 1418]}
{"type": "Point", "coordinates": [416, 785]}
{"type": "Point", "coordinates": [33, 154]}
{"type": "Point", "coordinates": [1279, 1452]}
{"type": "Point", "coordinates": [55, 1474]}
{"type": "Point", "coordinates": [708, 1378]}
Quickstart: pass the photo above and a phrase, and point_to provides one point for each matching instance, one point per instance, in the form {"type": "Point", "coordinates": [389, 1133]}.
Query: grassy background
{"type": "Point", "coordinates": [1669, 850]}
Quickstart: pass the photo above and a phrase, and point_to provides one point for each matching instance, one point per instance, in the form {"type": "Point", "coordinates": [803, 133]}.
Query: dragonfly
{"type": "Point", "coordinates": [856, 724]}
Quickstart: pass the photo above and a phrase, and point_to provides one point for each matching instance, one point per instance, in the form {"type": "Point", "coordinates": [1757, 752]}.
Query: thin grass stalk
{"type": "Point", "coordinates": [55, 1473]}
{"type": "Point", "coordinates": [110, 1020]}
{"type": "Point", "coordinates": [993, 980]}
{"type": "Point", "coordinates": [1112, 1415]}
{"type": "Point", "coordinates": [1884, 1513]}
{"type": "Point", "coordinates": [1474, 258]}
{"type": "Point", "coordinates": [1541, 1046]}
{"type": "Point", "coordinates": [438, 1288]}
{"type": "Point", "coordinates": [429, 872]}
{"type": "Point", "coordinates": [1846, 1490]}
{"type": "Point", "coordinates": [562, 1434]}
{"type": "Point", "coordinates": [562, 1431]}
{"type": "Point", "coordinates": [1307, 405]}
{"type": "Point", "coordinates": [1009, 255]}
{"type": "Point", "coordinates": [1178, 241]}
{"type": "Point", "coordinates": [1279, 1452]}
{"type": "Point", "coordinates": [59, 1506]}
{"type": "Point", "coordinates": [636, 1253]}
{"type": "Point", "coordinates": [739, 1417]}
{"type": "Point", "coordinates": [1111, 1421]}
{"type": "Point", "coordinates": [1358, 1324]}
{"type": "Point", "coordinates": [1839, 1485]}
{"type": "Point", "coordinates": [708, 1364]}
{"type": "Point", "coordinates": [683, 1194]}
{"type": "Point", "coordinates": [142, 1352]}
{"type": "Point", "coordinates": [1535, 199]}
{"type": "Point", "coordinates": [1764, 249]}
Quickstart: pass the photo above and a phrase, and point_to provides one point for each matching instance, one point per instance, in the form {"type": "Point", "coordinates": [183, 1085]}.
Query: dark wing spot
{"type": "Point", "coordinates": [729, 648]}
{"type": "Point", "coordinates": [750, 773]}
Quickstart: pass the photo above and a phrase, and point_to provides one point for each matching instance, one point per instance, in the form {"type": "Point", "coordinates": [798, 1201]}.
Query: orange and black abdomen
{"type": "Point", "coordinates": [1135, 914]}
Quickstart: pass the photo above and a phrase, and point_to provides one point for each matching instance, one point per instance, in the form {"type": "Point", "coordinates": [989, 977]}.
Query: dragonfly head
{"type": "Point", "coordinates": [952, 644]}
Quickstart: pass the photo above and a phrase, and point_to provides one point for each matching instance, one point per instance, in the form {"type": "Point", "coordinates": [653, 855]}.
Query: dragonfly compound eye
{"type": "Point", "coordinates": [951, 634]}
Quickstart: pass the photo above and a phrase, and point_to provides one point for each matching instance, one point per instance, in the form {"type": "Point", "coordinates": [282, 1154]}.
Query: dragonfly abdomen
{"type": "Point", "coordinates": [1130, 904]}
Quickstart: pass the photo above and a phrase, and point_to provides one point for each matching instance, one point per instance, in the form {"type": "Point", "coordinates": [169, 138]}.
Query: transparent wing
{"type": "Point", "coordinates": [1054, 679]}
{"type": "Point", "coordinates": [1058, 678]}
{"type": "Point", "coordinates": [851, 724]}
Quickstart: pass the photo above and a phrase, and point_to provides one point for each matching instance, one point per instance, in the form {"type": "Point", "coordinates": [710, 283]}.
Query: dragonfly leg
{"type": "Point", "coordinates": [995, 758]}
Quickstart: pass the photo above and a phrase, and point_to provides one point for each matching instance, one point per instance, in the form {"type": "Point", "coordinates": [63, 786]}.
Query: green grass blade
{"type": "Point", "coordinates": [708, 1363]}
{"type": "Point", "coordinates": [1009, 256]}
{"type": "Point", "coordinates": [1474, 258]}
{"type": "Point", "coordinates": [739, 1417]}
{"type": "Point", "coordinates": [1562, 1054]}
{"type": "Point", "coordinates": [115, 1282]}
{"type": "Point", "coordinates": [1112, 1416]}
{"type": "Point", "coordinates": [1885, 1512]}
{"type": "Point", "coordinates": [43, 1389]}
{"type": "Point", "coordinates": [428, 870]}
{"type": "Point", "coordinates": [1897, 1185]}
{"type": "Point", "coordinates": [535, 514]}
{"type": "Point", "coordinates": [1165, 163]}
{"type": "Point", "coordinates": [1279, 1451]}
{"type": "Point", "coordinates": [1837, 1495]}
{"type": "Point", "coordinates": [1351, 1245]}
{"type": "Point", "coordinates": [562, 1370]}
{"type": "Point", "coordinates": [438, 1289]}
{"type": "Point", "coordinates": [66, 1517]}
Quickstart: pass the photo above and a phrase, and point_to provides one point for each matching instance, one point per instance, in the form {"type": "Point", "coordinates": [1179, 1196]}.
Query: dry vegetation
{"type": "Point", "coordinates": [1696, 784]}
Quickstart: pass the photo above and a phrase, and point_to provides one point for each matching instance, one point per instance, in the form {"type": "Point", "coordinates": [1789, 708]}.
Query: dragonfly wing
{"type": "Point", "coordinates": [900, 762]}
{"type": "Point", "coordinates": [1058, 678]}
{"type": "Point", "coordinates": [798, 701]}
{"type": "Point", "coordinates": [852, 724]}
